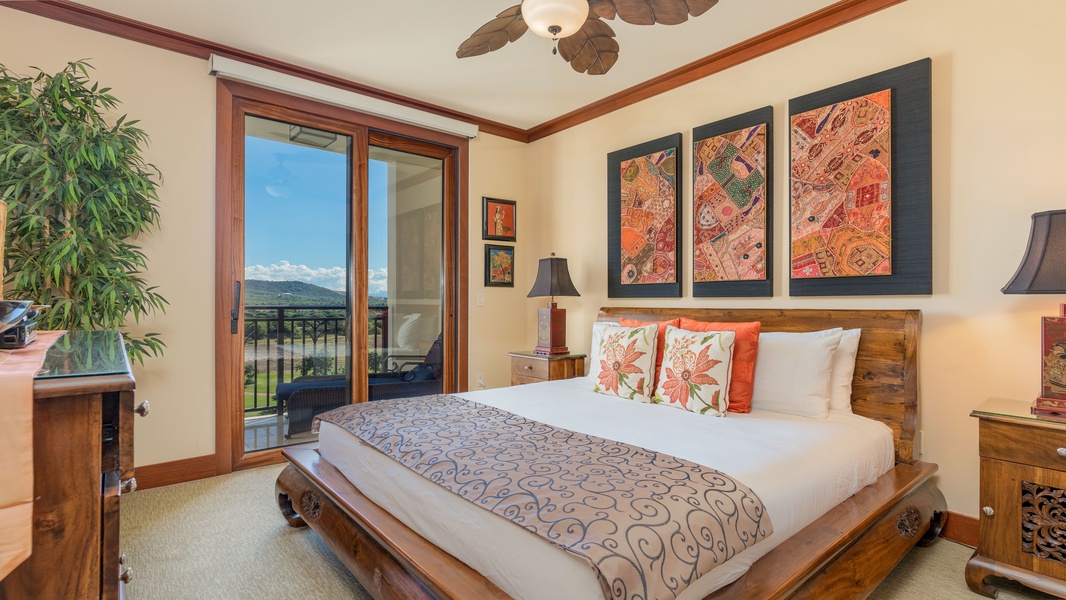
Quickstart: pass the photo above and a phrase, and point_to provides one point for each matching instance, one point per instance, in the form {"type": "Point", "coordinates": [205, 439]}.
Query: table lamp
{"type": "Point", "coordinates": [553, 279]}
{"type": "Point", "coordinates": [1043, 271]}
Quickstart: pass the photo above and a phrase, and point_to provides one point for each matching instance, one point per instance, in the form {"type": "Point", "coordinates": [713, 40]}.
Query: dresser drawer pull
{"type": "Point", "coordinates": [988, 511]}
{"type": "Point", "coordinates": [143, 409]}
{"type": "Point", "coordinates": [126, 576]}
{"type": "Point", "coordinates": [129, 486]}
{"type": "Point", "coordinates": [530, 368]}
{"type": "Point", "coordinates": [1062, 452]}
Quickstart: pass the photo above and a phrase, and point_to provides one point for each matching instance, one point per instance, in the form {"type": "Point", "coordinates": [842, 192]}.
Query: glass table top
{"type": "Point", "coordinates": [1010, 408]}
{"type": "Point", "coordinates": [85, 354]}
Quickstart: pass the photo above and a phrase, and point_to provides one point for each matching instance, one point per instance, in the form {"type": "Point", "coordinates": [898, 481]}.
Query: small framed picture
{"type": "Point", "coordinates": [499, 266]}
{"type": "Point", "coordinates": [498, 221]}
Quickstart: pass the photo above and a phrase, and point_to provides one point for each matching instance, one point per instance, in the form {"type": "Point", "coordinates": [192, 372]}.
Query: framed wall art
{"type": "Point", "coordinates": [499, 266]}
{"type": "Point", "coordinates": [732, 206]}
{"type": "Point", "coordinates": [498, 220]}
{"type": "Point", "coordinates": [861, 186]}
{"type": "Point", "coordinates": [643, 216]}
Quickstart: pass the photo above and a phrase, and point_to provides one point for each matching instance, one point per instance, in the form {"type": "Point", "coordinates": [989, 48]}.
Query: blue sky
{"type": "Point", "coordinates": [296, 218]}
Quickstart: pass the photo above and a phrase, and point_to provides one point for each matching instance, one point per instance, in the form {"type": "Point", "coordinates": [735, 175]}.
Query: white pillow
{"type": "Point", "coordinates": [844, 370]}
{"type": "Point", "coordinates": [407, 336]}
{"type": "Point", "coordinates": [793, 371]}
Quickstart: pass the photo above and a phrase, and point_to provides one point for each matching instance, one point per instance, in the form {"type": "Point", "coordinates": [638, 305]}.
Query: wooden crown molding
{"type": "Point", "coordinates": [811, 25]}
{"type": "Point", "coordinates": [832, 16]}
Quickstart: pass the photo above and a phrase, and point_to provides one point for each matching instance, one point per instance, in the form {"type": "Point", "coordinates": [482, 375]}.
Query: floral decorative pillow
{"type": "Point", "coordinates": [696, 370]}
{"type": "Point", "coordinates": [626, 362]}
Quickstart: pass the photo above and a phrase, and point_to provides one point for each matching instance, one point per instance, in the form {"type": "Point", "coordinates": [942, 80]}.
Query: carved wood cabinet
{"type": "Point", "coordinates": [83, 411]}
{"type": "Point", "coordinates": [527, 367]}
{"type": "Point", "coordinates": [1023, 499]}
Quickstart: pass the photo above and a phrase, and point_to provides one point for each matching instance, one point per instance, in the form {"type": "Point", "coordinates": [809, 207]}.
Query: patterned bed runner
{"type": "Point", "coordinates": [650, 524]}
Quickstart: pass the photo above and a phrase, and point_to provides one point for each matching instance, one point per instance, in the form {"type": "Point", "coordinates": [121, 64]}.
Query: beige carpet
{"type": "Point", "coordinates": [223, 538]}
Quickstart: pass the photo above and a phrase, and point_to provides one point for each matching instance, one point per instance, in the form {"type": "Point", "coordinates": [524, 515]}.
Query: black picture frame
{"type": "Point", "coordinates": [487, 205]}
{"type": "Point", "coordinates": [744, 288]}
{"type": "Point", "coordinates": [615, 288]}
{"type": "Point", "coordinates": [489, 250]}
{"type": "Point", "coordinates": [912, 183]}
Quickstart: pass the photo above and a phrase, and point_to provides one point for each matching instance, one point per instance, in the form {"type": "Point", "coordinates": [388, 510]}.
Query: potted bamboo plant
{"type": "Point", "coordinates": [79, 194]}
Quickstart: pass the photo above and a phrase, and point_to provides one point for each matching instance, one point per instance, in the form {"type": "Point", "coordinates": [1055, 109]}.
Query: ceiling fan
{"type": "Point", "coordinates": [582, 38]}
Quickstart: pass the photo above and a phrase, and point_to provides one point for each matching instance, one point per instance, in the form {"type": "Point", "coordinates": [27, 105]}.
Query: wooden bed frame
{"type": "Point", "coordinates": [844, 554]}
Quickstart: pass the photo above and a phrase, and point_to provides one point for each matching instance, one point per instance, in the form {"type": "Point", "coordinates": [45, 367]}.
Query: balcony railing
{"type": "Point", "coordinates": [284, 342]}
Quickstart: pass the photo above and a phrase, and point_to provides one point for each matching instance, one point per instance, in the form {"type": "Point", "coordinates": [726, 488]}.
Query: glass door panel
{"type": "Point", "coordinates": [405, 262]}
{"type": "Point", "coordinates": [297, 355]}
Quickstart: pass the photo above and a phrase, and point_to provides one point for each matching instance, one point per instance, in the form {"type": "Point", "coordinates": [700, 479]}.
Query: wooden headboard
{"type": "Point", "coordinates": [885, 387]}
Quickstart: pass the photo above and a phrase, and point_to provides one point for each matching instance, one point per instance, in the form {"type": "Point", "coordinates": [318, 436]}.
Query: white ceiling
{"type": "Point", "coordinates": [408, 47]}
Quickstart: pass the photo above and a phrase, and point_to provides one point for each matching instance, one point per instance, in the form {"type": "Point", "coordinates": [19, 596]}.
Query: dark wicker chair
{"type": "Point", "coordinates": [307, 396]}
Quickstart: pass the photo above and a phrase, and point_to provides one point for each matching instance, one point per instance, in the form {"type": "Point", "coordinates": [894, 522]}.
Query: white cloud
{"type": "Point", "coordinates": [332, 278]}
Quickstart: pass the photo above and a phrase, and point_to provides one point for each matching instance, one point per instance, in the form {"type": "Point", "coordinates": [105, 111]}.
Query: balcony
{"type": "Point", "coordinates": [285, 342]}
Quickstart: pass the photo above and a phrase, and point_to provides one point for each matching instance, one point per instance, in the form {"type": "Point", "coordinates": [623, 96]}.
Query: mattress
{"type": "Point", "coordinates": [798, 467]}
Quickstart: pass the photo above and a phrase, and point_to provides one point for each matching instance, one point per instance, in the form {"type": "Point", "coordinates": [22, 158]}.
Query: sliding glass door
{"type": "Point", "coordinates": [297, 195]}
{"type": "Point", "coordinates": [341, 267]}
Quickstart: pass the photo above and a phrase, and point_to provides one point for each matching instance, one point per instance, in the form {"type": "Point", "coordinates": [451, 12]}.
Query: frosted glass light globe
{"type": "Point", "coordinates": [543, 16]}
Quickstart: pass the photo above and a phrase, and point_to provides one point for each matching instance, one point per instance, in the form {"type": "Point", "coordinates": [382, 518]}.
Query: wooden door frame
{"type": "Point", "coordinates": [233, 101]}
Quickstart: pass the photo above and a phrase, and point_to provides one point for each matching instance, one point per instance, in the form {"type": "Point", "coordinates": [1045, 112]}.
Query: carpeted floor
{"type": "Point", "coordinates": [223, 538]}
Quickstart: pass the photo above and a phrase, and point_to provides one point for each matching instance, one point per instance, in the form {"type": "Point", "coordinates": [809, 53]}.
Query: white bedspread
{"type": "Point", "coordinates": [799, 467]}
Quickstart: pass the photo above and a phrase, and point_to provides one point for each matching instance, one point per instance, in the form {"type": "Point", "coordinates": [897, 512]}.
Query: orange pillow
{"type": "Point", "coordinates": [744, 353]}
{"type": "Point", "coordinates": [660, 340]}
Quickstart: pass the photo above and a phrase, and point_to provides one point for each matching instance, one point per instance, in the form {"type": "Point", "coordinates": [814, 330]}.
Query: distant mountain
{"type": "Point", "coordinates": [295, 293]}
{"type": "Point", "coordinates": [289, 293]}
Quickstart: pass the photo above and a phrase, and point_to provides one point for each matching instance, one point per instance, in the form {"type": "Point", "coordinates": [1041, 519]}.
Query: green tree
{"type": "Point", "coordinates": [79, 194]}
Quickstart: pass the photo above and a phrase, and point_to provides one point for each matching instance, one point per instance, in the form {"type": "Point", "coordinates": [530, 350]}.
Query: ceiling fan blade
{"type": "Point", "coordinates": [698, 7]}
{"type": "Point", "coordinates": [603, 8]}
{"type": "Point", "coordinates": [508, 26]}
{"type": "Point", "coordinates": [592, 49]}
{"type": "Point", "coordinates": [637, 12]}
{"type": "Point", "coordinates": [663, 12]}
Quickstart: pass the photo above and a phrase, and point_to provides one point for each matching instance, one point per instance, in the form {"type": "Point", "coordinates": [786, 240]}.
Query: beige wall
{"type": "Point", "coordinates": [997, 146]}
{"type": "Point", "coordinates": [996, 86]}
{"type": "Point", "coordinates": [174, 98]}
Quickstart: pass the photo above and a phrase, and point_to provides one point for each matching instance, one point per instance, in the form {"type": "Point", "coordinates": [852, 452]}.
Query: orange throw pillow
{"type": "Point", "coordinates": [745, 351]}
{"type": "Point", "coordinates": [660, 340]}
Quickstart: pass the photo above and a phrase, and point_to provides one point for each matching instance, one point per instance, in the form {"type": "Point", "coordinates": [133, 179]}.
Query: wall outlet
{"type": "Point", "coordinates": [481, 380]}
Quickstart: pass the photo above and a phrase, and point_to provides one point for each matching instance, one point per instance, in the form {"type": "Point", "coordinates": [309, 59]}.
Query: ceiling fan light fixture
{"type": "Point", "coordinates": [555, 19]}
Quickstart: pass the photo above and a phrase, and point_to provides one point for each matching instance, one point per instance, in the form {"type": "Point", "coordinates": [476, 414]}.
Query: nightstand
{"type": "Point", "coordinates": [527, 367]}
{"type": "Point", "coordinates": [1023, 499]}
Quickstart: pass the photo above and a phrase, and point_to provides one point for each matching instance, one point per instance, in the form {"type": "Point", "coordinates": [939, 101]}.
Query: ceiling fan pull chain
{"type": "Point", "coordinates": [555, 46]}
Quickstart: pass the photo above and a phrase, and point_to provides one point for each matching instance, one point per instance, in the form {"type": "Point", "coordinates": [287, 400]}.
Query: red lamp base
{"type": "Point", "coordinates": [551, 331]}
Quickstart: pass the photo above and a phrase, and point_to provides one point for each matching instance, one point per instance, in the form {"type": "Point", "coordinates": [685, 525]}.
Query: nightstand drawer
{"type": "Point", "coordinates": [529, 368]}
{"type": "Point", "coordinates": [1023, 444]}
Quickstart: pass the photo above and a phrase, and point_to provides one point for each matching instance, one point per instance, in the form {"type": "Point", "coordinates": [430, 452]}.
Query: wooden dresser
{"type": "Point", "coordinates": [1023, 499]}
{"type": "Point", "coordinates": [83, 412]}
{"type": "Point", "coordinates": [528, 367]}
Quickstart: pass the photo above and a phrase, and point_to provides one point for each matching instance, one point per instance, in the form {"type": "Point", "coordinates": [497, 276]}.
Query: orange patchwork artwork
{"type": "Point", "coordinates": [841, 189]}
{"type": "Point", "coordinates": [649, 226]}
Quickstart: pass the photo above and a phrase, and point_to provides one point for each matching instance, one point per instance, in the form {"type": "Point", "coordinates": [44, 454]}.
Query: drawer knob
{"type": "Point", "coordinates": [1062, 452]}
{"type": "Point", "coordinates": [988, 511]}
{"type": "Point", "coordinates": [530, 368]}
{"type": "Point", "coordinates": [143, 409]}
{"type": "Point", "coordinates": [126, 576]}
{"type": "Point", "coordinates": [129, 486]}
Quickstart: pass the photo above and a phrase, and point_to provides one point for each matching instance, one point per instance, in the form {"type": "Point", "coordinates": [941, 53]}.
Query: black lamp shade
{"type": "Point", "coordinates": [553, 279]}
{"type": "Point", "coordinates": [1043, 268]}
